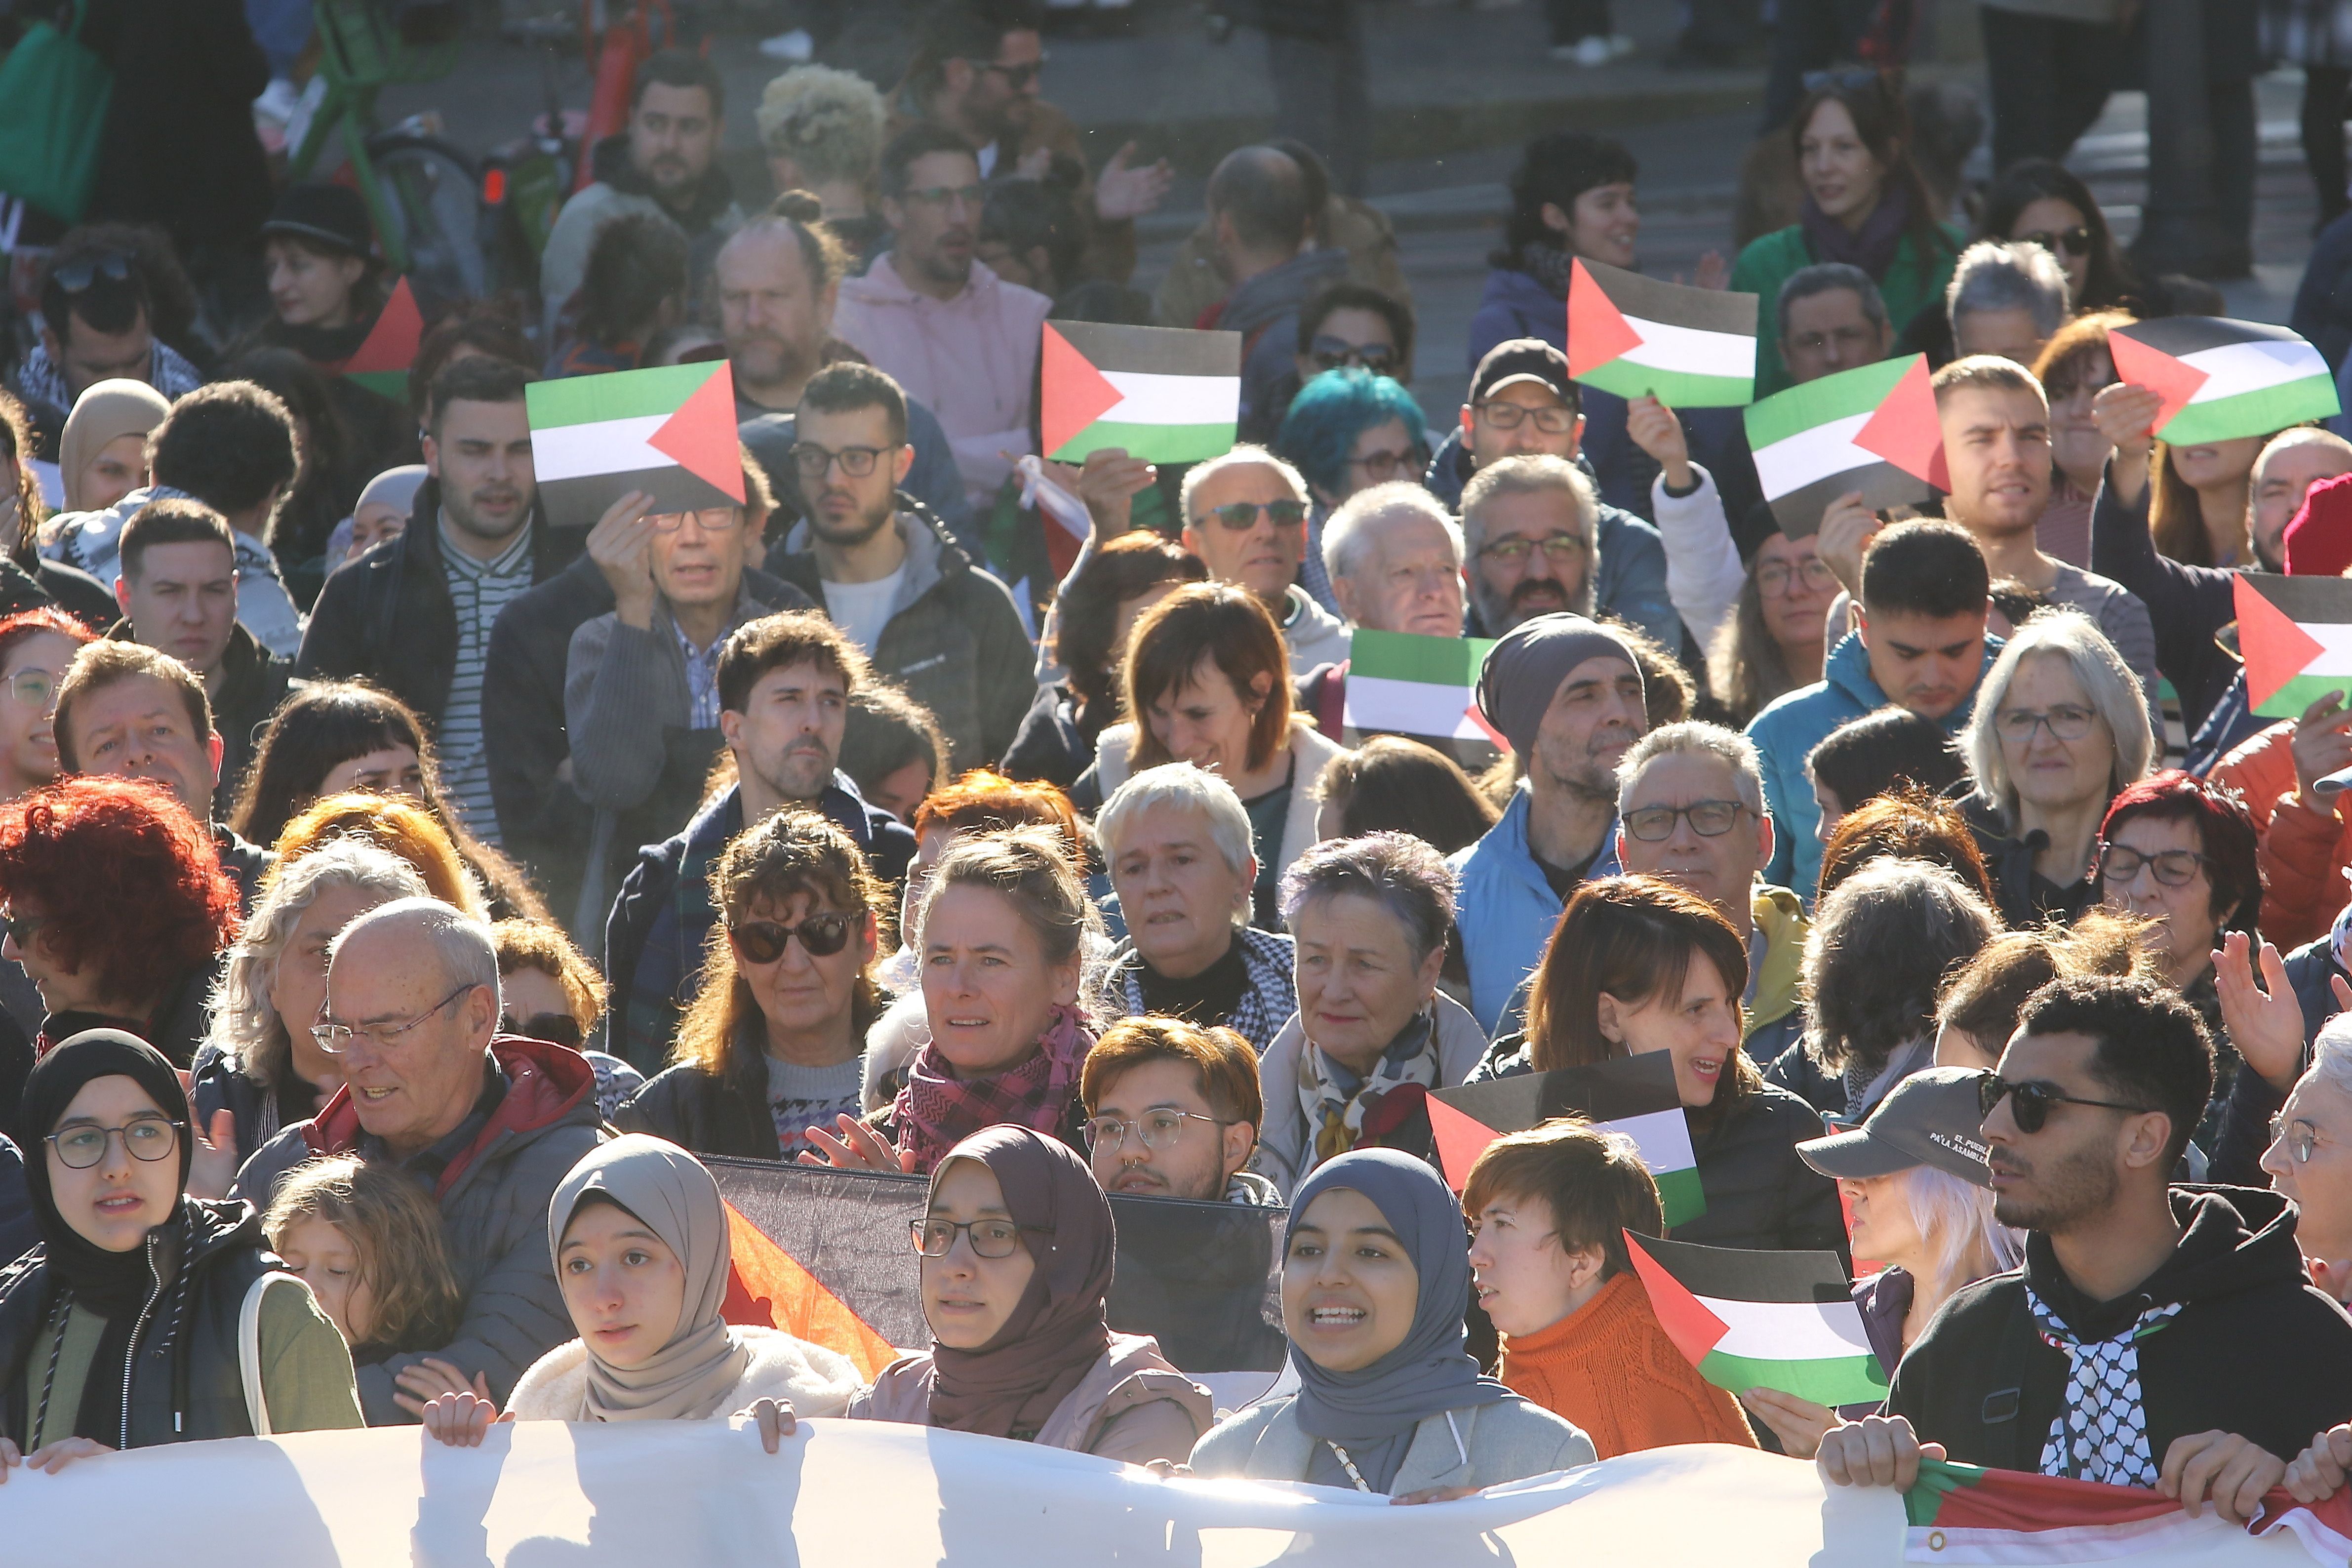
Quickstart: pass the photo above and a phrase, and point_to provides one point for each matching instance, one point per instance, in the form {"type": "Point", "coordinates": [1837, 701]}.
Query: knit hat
{"type": "Point", "coordinates": [1523, 672]}
{"type": "Point", "coordinates": [2318, 538]}
{"type": "Point", "coordinates": [329, 214]}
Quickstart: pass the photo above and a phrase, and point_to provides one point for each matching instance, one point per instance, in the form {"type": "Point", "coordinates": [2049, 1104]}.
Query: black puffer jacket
{"type": "Point", "coordinates": [2248, 1315]}
{"type": "Point", "coordinates": [185, 1382]}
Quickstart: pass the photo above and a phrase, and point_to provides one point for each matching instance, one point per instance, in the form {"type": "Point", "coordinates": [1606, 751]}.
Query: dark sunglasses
{"type": "Point", "coordinates": [1240, 514]}
{"type": "Point", "coordinates": [1330, 353]}
{"type": "Point", "coordinates": [2075, 241]}
{"type": "Point", "coordinates": [764, 941]}
{"type": "Point", "coordinates": [75, 276]}
{"type": "Point", "coordinates": [557, 1028]}
{"type": "Point", "coordinates": [2030, 1103]}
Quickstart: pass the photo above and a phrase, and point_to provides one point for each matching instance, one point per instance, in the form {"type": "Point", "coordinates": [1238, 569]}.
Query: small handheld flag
{"type": "Point", "coordinates": [2221, 379]}
{"type": "Point", "coordinates": [669, 431]}
{"type": "Point", "coordinates": [1761, 1320]}
{"type": "Point", "coordinates": [383, 360]}
{"type": "Point", "coordinates": [1637, 337]}
{"type": "Point", "coordinates": [1872, 429]}
{"type": "Point", "coordinates": [1400, 683]}
{"type": "Point", "coordinates": [1633, 1095]}
{"type": "Point", "coordinates": [2295, 636]}
{"type": "Point", "coordinates": [1165, 395]}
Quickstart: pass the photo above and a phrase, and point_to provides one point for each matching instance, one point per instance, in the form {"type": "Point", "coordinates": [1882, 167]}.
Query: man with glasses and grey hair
{"type": "Point", "coordinates": [2006, 297]}
{"type": "Point", "coordinates": [489, 1123]}
{"type": "Point", "coordinates": [1832, 317]}
{"type": "Point", "coordinates": [1394, 557]}
{"type": "Point", "coordinates": [1245, 517]}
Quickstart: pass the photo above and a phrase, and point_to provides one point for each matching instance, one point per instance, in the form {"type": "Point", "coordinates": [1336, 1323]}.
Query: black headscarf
{"type": "Point", "coordinates": [114, 1285]}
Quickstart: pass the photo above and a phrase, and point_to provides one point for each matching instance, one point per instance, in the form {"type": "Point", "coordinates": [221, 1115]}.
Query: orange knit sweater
{"type": "Point", "coordinates": [1610, 1368]}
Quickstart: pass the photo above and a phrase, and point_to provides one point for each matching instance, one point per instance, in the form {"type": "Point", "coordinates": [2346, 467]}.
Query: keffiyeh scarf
{"type": "Point", "coordinates": [937, 1111]}
{"type": "Point", "coordinates": [2101, 1434]}
{"type": "Point", "coordinates": [1335, 1115]}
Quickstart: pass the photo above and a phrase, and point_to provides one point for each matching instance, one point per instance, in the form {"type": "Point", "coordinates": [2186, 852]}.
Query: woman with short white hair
{"type": "Point", "coordinates": [1176, 839]}
{"type": "Point", "coordinates": [2060, 726]}
{"type": "Point", "coordinates": [2310, 1158]}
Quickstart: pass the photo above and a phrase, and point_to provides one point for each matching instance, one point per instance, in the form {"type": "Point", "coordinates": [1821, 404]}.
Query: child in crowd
{"type": "Point", "coordinates": [368, 1243]}
{"type": "Point", "coordinates": [1549, 1208]}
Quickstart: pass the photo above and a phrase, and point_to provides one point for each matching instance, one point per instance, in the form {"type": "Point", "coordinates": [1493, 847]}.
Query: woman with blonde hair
{"type": "Point", "coordinates": [486, 886]}
{"type": "Point", "coordinates": [822, 131]}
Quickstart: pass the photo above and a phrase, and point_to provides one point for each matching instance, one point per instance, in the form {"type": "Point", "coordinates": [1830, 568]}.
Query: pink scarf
{"type": "Point", "coordinates": [937, 1109]}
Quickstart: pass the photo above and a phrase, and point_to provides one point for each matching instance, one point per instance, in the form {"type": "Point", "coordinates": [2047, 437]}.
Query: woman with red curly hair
{"type": "Point", "coordinates": [116, 907]}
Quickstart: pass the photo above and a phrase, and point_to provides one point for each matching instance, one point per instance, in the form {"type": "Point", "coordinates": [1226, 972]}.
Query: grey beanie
{"type": "Point", "coordinates": [1523, 672]}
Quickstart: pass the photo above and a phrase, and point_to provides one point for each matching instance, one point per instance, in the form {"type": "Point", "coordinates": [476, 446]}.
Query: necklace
{"type": "Point", "coordinates": [1349, 1465]}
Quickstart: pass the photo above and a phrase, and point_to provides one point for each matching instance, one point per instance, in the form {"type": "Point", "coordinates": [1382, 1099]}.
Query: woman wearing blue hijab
{"type": "Point", "coordinates": [1375, 1277]}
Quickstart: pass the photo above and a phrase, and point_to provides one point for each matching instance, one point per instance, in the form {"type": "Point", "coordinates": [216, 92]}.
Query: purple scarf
{"type": "Point", "coordinates": [1872, 250]}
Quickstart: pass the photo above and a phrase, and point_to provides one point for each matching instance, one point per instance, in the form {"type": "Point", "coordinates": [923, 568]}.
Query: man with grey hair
{"type": "Point", "coordinates": [1690, 810]}
{"type": "Point", "coordinates": [1831, 319]}
{"type": "Point", "coordinates": [1245, 518]}
{"type": "Point", "coordinates": [1530, 529]}
{"type": "Point", "coordinates": [2006, 297]}
{"type": "Point", "coordinates": [1176, 840]}
{"type": "Point", "coordinates": [489, 1123]}
{"type": "Point", "coordinates": [1395, 556]}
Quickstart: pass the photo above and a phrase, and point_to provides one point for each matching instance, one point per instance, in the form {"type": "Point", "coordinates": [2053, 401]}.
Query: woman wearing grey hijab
{"type": "Point", "coordinates": [639, 1238]}
{"type": "Point", "coordinates": [1375, 1277]}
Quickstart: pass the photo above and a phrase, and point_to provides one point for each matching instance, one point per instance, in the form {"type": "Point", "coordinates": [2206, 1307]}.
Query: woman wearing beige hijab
{"type": "Point", "coordinates": [103, 454]}
{"type": "Point", "coordinates": [640, 1236]}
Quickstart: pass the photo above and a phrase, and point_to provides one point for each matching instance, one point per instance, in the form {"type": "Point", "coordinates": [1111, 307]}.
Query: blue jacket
{"type": "Point", "coordinates": [1786, 733]}
{"type": "Point", "coordinates": [1516, 306]}
{"type": "Point", "coordinates": [1505, 909]}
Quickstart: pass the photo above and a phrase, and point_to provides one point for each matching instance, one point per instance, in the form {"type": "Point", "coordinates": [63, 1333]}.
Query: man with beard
{"type": "Point", "coordinates": [885, 570]}
{"type": "Point", "coordinates": [413, 614]}
{"type": "Point", "coordinates": [1530, 529]}
{"type": "Point", "coordinates": [783, 686]}
{"type": "Point", "coordinates": [1567, 693]}
{"type": "Point", "coordinates": [665, 163]}
{"type": "Point", "coordinates": [951, 331]}
{"type": "Point", "coordinates": [777, 278]}
{"type": "Point", "coordinates": [2158, 1336]}
{"type": "Point", "coordinates": [1522, 404]}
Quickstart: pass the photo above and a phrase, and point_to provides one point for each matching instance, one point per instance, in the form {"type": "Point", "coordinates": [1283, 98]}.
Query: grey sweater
{"type": "Point", "coordinates": [622, 689]}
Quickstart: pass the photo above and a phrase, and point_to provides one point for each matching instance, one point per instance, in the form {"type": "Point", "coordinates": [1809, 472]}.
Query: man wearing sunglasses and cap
{"type": "Point", "coordinates": [2156, 1336]}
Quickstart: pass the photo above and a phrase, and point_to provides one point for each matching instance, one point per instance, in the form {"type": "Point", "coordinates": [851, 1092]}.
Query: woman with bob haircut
{"type": "Point", "coordinates": [1208, 682]}
{"type": "Point", "coordinates": [2059, 725]}
{"type": "Point", "coordinates": [1910, 823]}
{"type": "Point", "coordinates": [1638, 966]}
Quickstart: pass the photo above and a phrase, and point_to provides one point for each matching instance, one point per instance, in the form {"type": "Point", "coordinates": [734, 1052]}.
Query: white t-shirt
{"type": "Point", "coordinates": [863, 609]}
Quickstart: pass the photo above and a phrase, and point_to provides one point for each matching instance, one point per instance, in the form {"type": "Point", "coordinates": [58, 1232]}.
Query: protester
{"type": "Point", "coordinates": [1567, 694]}
{"type": "Point", "coordinates": [1919, 641]}
{"type": "Point", "coordinates": [821, 131]}
{"type": "Point", "coordinates": [258, 1065]}
{"type": "Point", "coordinates": [368, 1243]}
{"type": "Point", "coordinates": [1370, 917]}
{"type": "Point", "coordinates": [1522, 403]}
{"type": "Point", "coordinates": [665, 164]}
{"type": "Point", "coordinates": [1347, 223]}
{"type": "Point", "coordinates": [326, 291]}
{"type": "Point", "coordinates": [2042, 202]}
{"type": "Point", "coordinates": [1389, 1400]}
{"type": "Point", "coordinates": [1832, 318]}
{"type": "Point", "coordinates": [2060, 727]}
{"type": "Point", "coordinates": [1977, 1011]}
{"type": "Point", "coordinates": [106, 1196]}
{"type": "Point", "coordinates": [2072, 367]}
{"type": "Point", "coordinates": [98, 294]}
{"type": "Point", "coordinates": [1865, 205]}
{"type": "Point", "coordinates": [1032, 232]}
{"type": "Point", "coordinates": [328, 470]}
{"type": "Point", "coordinates": [500, 1119]}
{"type": "Point", "coordinates": [1772, 643]}
{"type": "Point", "coordinates": [2006, 301]}
{"type": "Point", "coordinates": [548, 990]}
{"type": "Point", "coordinates": [1639, 965]}
{"type": "Point", "coordinates": [2143, 1333]}
{"type": "Point", "coordinates": [1392, 560]}
{"type": "Point", "coordinates": [632, 290]}
{"type": "Point", "coordinates": [1392, 785]}
{"type": "Point", "coordinates": [1145, 1084]}
{"type": "Point", "coordinates": [1550, 1210]}
{"type": "Point", "coordinates": [1682, 794]}
{"type": "Point", "coordinates": [330, 738]}
{"type": "Point", "coordinates": [1346, 431]}
{"type": "Point", "coordinates": [638, 1238]}
{"type": "Point", "coordinates": [1177, 844]}
{"type": "Point", "coordinates": [37, 648]}
{"type": "Point", "coordinates": [1919, 1195]}
{"type": "Point", "coordinates": [1345, 325]}
{"type": "Point", "coordinates": [1865, 758]}
{"type": "Point", "coordinates": [773, 1042]}
{"type": "Point", "coordinates": [1245, 516]}
{"type": "Point", "coordinates": [1263, 250]}
{"type": "Point", "coordinates": [2316, 1116]}
{"type": "Point", "coordinates": [380, 513]}
{"type": "Point", "coordinates": [102, 452]}
{"type": "Point", "coordinates": [1096, 612]}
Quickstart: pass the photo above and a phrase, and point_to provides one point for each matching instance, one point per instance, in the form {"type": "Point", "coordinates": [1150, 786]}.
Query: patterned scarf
{"type": "Point", "coordinates": [937, 1111]}
{"type": "Point", "coordinates": [1548, 265]}
{"type": "Point", "coordinates": [1335, 1114]}
{"type": "Point", "coordinates": [2101, 1434]}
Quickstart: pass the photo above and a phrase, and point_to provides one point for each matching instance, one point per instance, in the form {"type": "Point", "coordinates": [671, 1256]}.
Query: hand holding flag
{"type": "Point", "coordinates": [1637, 337]}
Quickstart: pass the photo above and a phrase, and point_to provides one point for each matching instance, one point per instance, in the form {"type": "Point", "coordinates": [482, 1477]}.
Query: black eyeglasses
{"type": "Point", "coordinates": [1015, 77]}
{"type": "Point", "coordinates": [2121, 864]}
{"type": "Point", "coordinates": [813, 460]}
{"type": "Point", "coordinates": [557, 1028]}
{"type": "Point", "coordinates": [989, 1238]}
{"type": "Point", "coordinates": [2067, 721]}
{"type": "Point", "coordinates": [1330, 353]}
{"type": "Point", "coordinates": [764, 941]}
{"type": "Point", "coordinates": [2075, 241]}
{"type": "Point", "coordinates": [709, 519]}
{"type": "Point", "coordinates": [1381, 466]}
{"type": "Point", "coordinates": [148, 1138]}
{"type": "Point", "coordinates": [1510, 416]}
{"type": "Point", "coordinates": [75, 277]}
{"type": "Point", "coordinates": [2029, 1102]}
{"type": "Point", "coordinates": [1708, 819]}
{"type": "Point", "coordinates": [1243, 514]}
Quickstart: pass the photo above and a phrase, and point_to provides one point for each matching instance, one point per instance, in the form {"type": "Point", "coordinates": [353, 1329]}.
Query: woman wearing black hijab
{"type": "Point", "coordinates": [1375, 1276]}
{"type": "Point", "coordinates": [122, 1329]}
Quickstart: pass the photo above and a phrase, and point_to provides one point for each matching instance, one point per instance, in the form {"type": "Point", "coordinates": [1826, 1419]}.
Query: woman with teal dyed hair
{"type": "Point", "coordinates": [1349, 430]}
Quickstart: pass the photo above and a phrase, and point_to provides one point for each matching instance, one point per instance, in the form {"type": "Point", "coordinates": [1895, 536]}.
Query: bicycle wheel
{"type": "Point", "coordinates": [432, 192]}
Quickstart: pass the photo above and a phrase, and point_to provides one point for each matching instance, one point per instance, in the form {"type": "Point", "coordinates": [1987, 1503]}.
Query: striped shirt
{"type": "Point", "coordinates": [478, 590]}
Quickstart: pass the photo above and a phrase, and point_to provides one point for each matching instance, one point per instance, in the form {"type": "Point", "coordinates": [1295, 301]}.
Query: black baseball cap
{"type": "Point", "coordinates": [329, 214]}
{"type": "Point", "coordinates": [1932, 1118]}
{"type": "Point", "coordinates": [1522, 359]}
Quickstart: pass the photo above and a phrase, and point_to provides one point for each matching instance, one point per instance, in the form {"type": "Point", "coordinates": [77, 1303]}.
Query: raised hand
{"type": "Point", "coordinates": [2125, 414]}
{"type": "Point", "coordinates": [1656, 431]}
{"type": "Point", "coordinates": [2264, 1023]}
{"type": "Point", "coordinates": [1121, 191]}
{"type": "Point", "coordinates": [622, 545]}
{"type": "Point", "coordinates": [1109, 483]}
{"type": "Point", "coordinates": [857, 1147]}
{"type": "Point", "coordinates": [1847, 528]}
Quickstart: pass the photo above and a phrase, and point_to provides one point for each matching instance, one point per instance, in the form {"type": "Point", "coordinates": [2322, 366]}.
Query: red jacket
{"type": "Point", "coordinates": [2305, 848]}
{"type": "Point", "coordinates": [543, 1082]}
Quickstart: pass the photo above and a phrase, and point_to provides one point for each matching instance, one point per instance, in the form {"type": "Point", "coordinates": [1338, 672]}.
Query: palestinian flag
{"type": "Point", "coordinates": [1165, 395]}
{"type": "Point", "coordinates": [1965, 1514]}
{"type": "Point", "coordinates": [1634, 336]}
{"type": "Point", "coordinates": [2295, 636]}
{"type": "Point", "coordinates": [2221, 379]}
{"type": "Point", "coordinates": [669, 431]}
{"type": "Point", "coordinates": [1762, 1319]}
{"type": "Point", "coordinates": [1400, 683]}
{"type": "Point", "coordinates": [382, 363]}
{"type": "Point", "coordinates": [1873, 429]}
{"type": "Point", "coordinates": [823, 1255]}
{"type": "Point", "coordinates": [1633, 1095]}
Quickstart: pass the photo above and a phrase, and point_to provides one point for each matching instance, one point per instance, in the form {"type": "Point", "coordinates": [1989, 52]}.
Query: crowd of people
{"type": "Point", "coordinates": [404, 895]}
